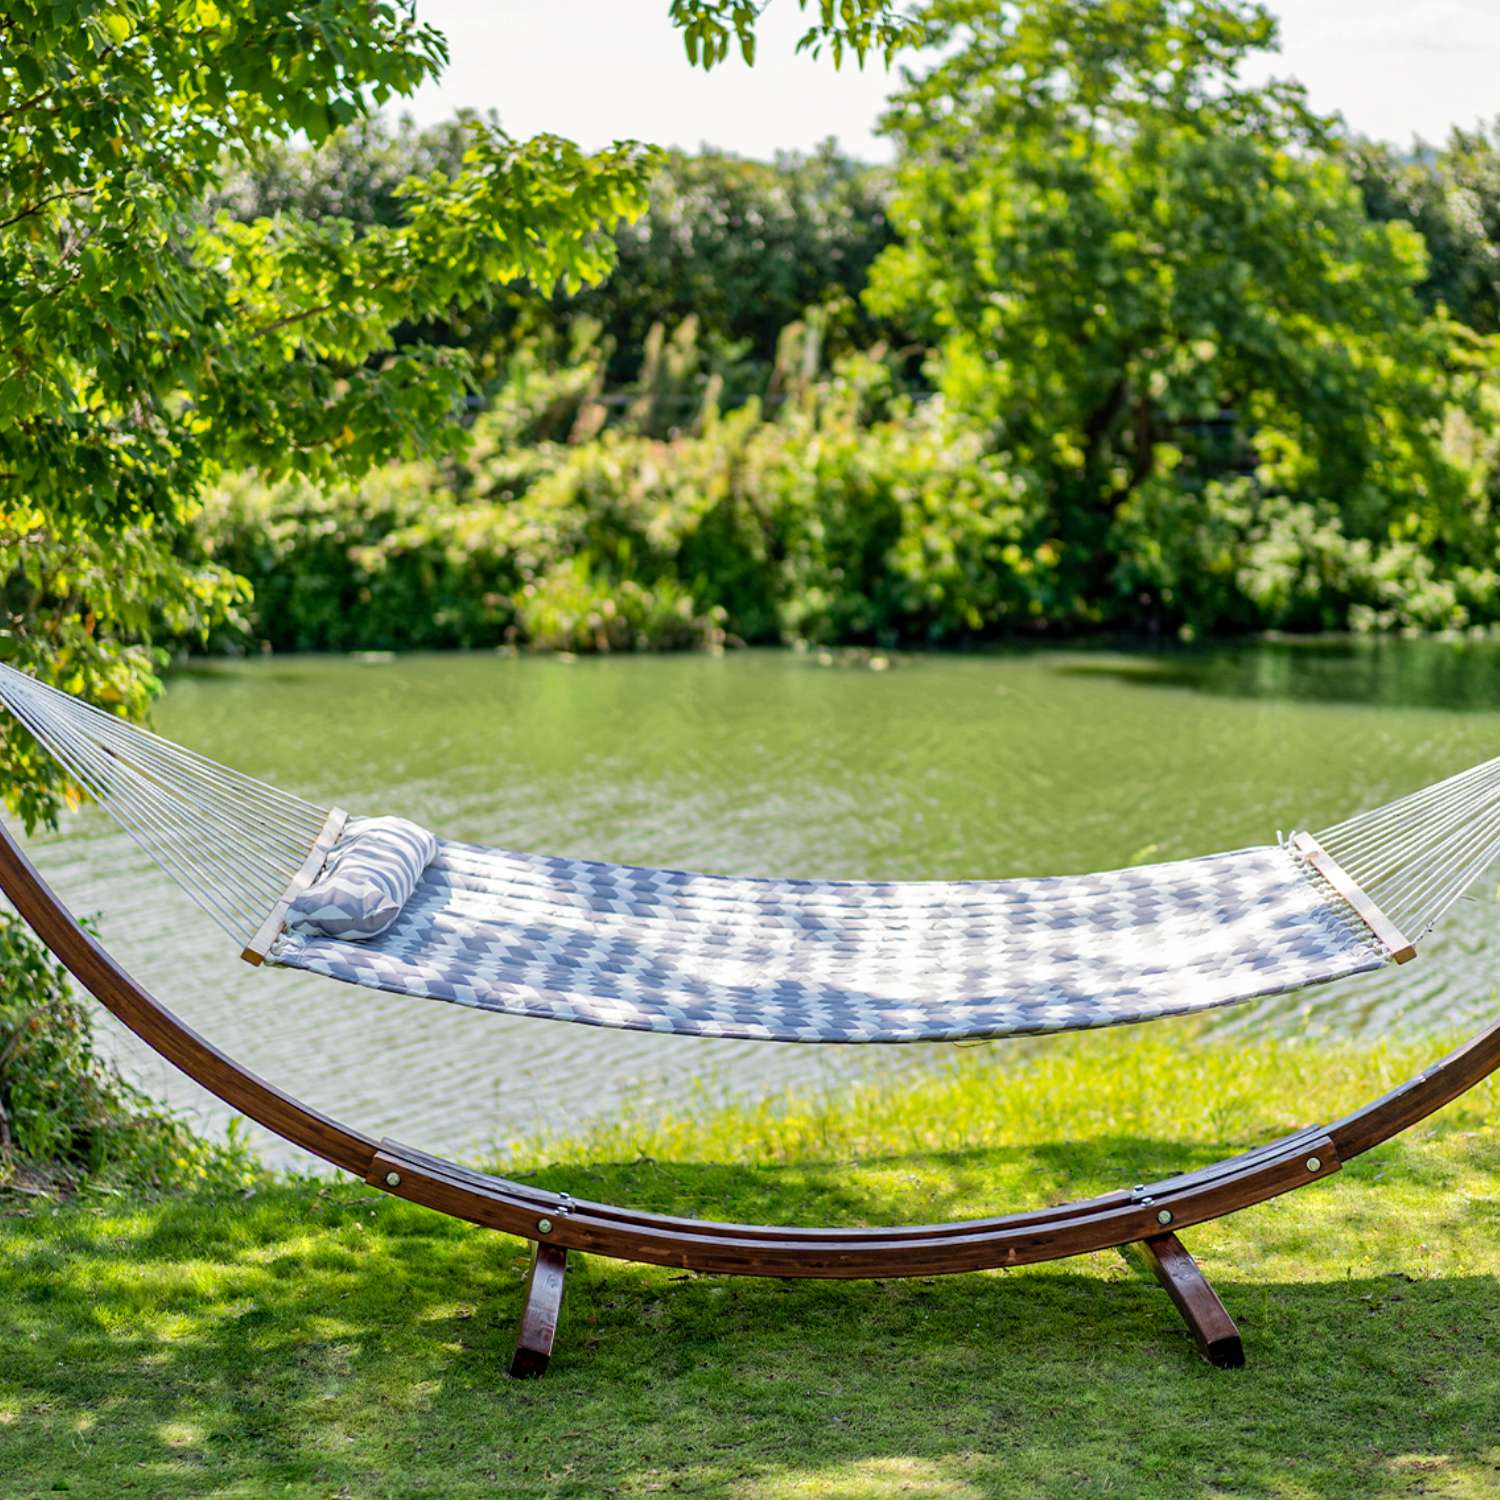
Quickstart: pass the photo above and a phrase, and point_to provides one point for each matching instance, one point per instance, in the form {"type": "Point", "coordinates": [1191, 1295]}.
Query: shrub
{"type": "Point", "coordinates": [65, 1113]}
{"type": "Point", "coordinates": [835, 508]}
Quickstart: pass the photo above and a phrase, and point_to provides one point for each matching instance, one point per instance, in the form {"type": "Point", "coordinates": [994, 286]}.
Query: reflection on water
{"type": "Point", "coordinates": [1018, 763]}
{"type": "Point", "coordinates": [1461, 675]}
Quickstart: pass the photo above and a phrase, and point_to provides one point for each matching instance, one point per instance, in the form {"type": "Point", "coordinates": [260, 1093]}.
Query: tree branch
{"type": "Point", "coordinates": [42, 203]}
{"type": "Point", "coordinates": [310, 312]}
{"type": "Point", "coordinates": [60, 83]}
{"type": "Point", "coordinates": [25, 104]}
{"type": "Point", "coordinates": [289, 319]}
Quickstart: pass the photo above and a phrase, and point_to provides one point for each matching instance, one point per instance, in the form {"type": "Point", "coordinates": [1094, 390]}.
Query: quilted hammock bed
{"type": "Point", "coordinates": [824, 961]}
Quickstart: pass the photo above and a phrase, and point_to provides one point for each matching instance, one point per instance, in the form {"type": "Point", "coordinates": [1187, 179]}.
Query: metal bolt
{"type": "Point", "coordinates": [393, 1179]}
{"type": "Point", "coordinates": [1164, 1216]}
{"type": "Point", "coordinates": [1313, 1163]}
{"type": "Point", "coordinates": [544, 1226]}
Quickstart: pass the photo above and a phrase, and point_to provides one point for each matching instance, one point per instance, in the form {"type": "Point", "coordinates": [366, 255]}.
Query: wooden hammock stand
{"type": "Point", "coordinates": [1147, 1216]}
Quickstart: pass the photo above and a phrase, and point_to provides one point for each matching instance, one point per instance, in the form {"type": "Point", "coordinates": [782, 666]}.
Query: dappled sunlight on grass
{"type": "Point", "coordinates": [180, 1434]}
{"type": "Point", "coordinates": [312, 1338]}
{"type": "Point", "coordinates": [873, 1479]}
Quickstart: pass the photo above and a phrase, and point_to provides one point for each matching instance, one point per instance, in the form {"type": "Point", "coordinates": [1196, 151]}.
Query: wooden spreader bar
{"type": "Point", "coordinates": [254, 952]}
{"type": "Point", "coordinates": [1391, 938]}
{"type": "Point", "coordinates": [1149, 1214]}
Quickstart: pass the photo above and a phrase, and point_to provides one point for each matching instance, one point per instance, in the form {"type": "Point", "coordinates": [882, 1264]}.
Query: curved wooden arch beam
{"type": "Point", "coordinates": [929, 1250]}
{"type": "Point", "coordinates": [131, 1003]}
{"type": "Point", "coordinates": [558, 1221]}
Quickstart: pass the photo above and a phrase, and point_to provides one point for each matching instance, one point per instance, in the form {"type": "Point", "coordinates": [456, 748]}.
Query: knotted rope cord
{"type": "Point", "coordinates": [231, 842]}
{"type": "Point", "coordinates": [1417, 855]}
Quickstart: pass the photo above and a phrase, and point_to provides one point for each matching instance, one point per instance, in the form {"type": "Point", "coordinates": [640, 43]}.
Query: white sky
{"type": "Point", "coordinates": [595, 70]}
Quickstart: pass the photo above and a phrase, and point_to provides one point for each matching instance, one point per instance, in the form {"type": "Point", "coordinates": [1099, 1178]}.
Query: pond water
{"type": "Point", "coordinates": [925, 766]}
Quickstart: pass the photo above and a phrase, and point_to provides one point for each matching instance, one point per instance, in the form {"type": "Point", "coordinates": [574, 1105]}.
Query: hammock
{"type": "Point", "coordinates": [783, 960]}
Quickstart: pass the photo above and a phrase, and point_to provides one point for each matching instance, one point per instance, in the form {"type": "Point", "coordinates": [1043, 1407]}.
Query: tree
{"type": "Point", "coordinates": [1451, 197]}
{"type": "Point", "coordinates": [357, 175]}
{"type": "Point", "coordinates": [146, 350]}
{"type": "Point", "coordinates": [746, 248]}
{"type": "Point", "coordinates": [743, 247]}
{"type": "Point", "coordinates": [354, 173]}
{"type": "Point", "coordinates": [1145, 277]}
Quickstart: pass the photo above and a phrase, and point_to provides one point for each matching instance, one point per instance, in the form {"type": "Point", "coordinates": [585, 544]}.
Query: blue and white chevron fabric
{"type": "Point", "coordinates": [826, 961]}
{"type": "Point", "coordinates": [365, 882]}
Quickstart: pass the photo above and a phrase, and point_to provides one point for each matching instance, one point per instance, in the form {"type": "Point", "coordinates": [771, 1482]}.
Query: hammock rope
{"type": "Point", "coordinates": [231, 842]}
{"type": "Point", "coordinates": [1414, 857]}
{"type": "Point", "coordinates": [786, 960]}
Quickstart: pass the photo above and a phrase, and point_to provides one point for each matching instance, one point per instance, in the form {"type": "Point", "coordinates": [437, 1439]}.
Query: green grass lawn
{"type": "Point", "coordinates": [318, 1339]}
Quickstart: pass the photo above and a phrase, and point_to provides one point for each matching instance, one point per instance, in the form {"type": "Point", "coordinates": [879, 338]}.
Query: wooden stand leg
{"type": "Point", "coordinates": [544, 1290]}
{"type": "Point", "coordinates": [1196, 1300]}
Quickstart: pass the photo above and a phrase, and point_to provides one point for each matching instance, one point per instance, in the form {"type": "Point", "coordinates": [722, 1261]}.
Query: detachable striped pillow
{"type": "Point", "coordinates": [365, 881]}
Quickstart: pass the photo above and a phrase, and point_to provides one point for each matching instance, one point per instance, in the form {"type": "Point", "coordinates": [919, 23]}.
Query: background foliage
{"type": "Point", "coordinates": [66, 1115]}
{"type": "Point", "coordinates": [150, 344]}
{"type": "Point", "coordinates": [1119, 343]}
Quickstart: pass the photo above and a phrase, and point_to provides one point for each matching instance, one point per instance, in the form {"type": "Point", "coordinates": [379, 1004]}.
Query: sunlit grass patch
{"type": "Point", "coordinates": [310, 1339]}
{"type": "Point", "coordinates": [874, 1479]}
